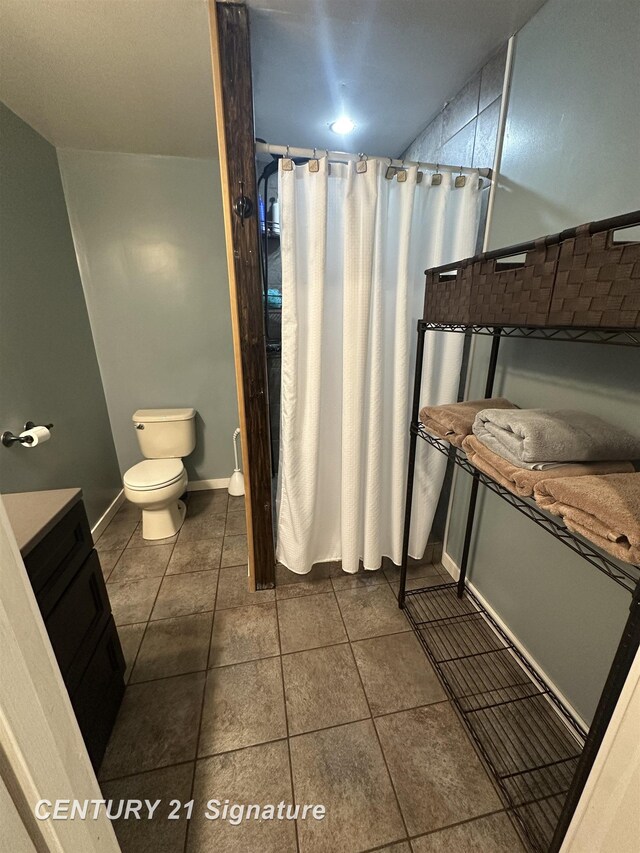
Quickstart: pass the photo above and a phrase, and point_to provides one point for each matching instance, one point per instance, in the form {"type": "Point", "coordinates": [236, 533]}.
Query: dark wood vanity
{"type": "Point", "coordinates": [55, 541]}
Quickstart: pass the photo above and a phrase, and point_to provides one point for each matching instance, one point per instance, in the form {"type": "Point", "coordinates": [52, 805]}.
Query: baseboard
{"type": "Point", "coordinates": [454, 570]}
{"type": "Point", "coordinates": [203, 485]}
{"type": "Point", "coordinates": [99, 527]}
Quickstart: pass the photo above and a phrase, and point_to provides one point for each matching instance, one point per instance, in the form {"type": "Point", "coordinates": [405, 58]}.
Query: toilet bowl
{"type": "Point", "coordinates": [156, 484]}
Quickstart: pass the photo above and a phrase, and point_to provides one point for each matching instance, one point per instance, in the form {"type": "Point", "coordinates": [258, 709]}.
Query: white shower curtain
{"type": "Point", "coordinates": [354, 250]}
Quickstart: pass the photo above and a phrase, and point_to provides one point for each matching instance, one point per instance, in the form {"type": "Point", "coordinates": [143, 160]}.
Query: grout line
{"type": "Point", "coordinates": [162, 618]}
{"type": "Point", "coordinates": [371, 717]}
{"type": "Point", "coordinates": [305, 595]}
{"type": "Point", "coordinates": [460, 823]}
{"type": "Point", "coordinates": [411, 708]}
{"type": "Point", "coordinates": [170, 575]}
{"type": "Point", "coordinates": [143, 772]}
{"type": "Point", "coordinates": [286, 720]}
{"type": "Point", "coordinates": [204, 694]}
{"type": "Point", "coordinates": [144, 633]}
{"type": "Point", "coordinates": [242, 748]}
{"type": "Point", "coordinates": [438, 829]}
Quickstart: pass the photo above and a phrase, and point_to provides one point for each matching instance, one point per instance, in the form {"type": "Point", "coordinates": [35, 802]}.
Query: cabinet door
{"type": "Point", "coordinates": [53, 562]}
{"type": "Point", "coordinates": [97, 700]}
{"type": "Point", "coordinates": [78, 619]}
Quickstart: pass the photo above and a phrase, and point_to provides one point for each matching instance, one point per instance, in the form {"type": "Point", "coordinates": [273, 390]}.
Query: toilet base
{"type": "Point", "coordinates": [165, 522]}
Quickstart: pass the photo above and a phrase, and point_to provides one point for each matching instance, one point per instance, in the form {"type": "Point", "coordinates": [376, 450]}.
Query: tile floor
{"type": "Point", "coordinates": [315, 692]}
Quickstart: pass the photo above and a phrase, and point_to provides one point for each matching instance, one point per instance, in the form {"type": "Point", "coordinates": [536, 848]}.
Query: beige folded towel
{"type": "Point", "coordinates": [604, 509]}
{"type": "Point", "coordinates": [521, 481]}
{"type": "Point", "coordinates": [454, 421]}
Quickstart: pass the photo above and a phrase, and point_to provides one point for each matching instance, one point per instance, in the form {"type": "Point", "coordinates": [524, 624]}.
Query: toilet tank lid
{"type": "Point", "coordinates": [152, 416]}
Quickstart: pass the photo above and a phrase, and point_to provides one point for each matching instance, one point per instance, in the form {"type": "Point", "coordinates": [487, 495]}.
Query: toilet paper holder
{"type": "Point", "coordinates": [8, 438]}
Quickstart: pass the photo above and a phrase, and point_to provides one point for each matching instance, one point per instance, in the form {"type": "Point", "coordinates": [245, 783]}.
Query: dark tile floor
{"type": "Point", "coordinates": [315, 692]}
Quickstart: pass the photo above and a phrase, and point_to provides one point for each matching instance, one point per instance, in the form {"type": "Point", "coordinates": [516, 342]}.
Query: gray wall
{"type": "Point", "coordinates": [49, 368]}
{"type": "Point", "coordinates": [570, 156]}
{"type": "Point", "coordinates": [464, 133]}
{"type": "Point", "coordinates": [149, 236]}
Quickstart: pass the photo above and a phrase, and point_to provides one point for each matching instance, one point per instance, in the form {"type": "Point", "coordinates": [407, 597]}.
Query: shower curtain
{"type": "Point", "coordinates": [354, 250]}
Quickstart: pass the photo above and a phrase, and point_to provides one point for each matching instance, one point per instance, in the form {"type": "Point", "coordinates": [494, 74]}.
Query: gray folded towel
{"type": "Point", "coordinates": [540, 438]}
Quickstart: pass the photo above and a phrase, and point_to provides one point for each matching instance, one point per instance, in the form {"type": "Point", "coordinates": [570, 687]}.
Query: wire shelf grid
{"type": "Point", "coordinates": [627, 576]}
{"type": "Point", "coordinates": [572, 334]}
{"type": "Point", "coordinates": [526, 736]}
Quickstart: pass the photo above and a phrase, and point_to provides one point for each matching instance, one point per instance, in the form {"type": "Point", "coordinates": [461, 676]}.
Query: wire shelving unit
{"type": "Point", "coordinates": [539, 756]}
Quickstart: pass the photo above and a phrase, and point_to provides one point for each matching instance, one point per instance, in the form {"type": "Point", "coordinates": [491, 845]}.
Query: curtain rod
{"type": "Point", "coordinates": [344, 157]}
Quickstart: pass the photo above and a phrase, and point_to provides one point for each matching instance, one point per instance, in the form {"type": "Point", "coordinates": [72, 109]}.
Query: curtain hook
{"type": "Point", "coordinates": [314, 163]}
{"type": "Point", "coordinates": [419, 174]}
{"type": "Point", "coordinates": [361, 164]}
{"type": "Point", "coordinates": [287, 162]}
{"type": "Point", "coordinates": [460, 180]}
{"type": "Point", "coordinates": [436, 178]}
{"type": "Point", "coordinates": [391, 170]}
{"type": "Point", "coordinates": [402, 173]}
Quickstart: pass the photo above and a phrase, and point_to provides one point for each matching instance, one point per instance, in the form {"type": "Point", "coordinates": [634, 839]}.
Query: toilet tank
{"type": "Point", "coordinates": [165, 433]}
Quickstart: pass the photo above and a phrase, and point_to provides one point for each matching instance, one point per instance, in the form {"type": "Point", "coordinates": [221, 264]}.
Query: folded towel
{"type": "Point", "coordinates": [540, 438]}
{"type": "Point", "coordinates": [605, 510]}
{"type": "Point", "coordinates": [521, 481]}
{"type": "Point", "coordinates": [454, 421]}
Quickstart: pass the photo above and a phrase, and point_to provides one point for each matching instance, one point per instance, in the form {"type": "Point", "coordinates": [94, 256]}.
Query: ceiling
{"type": "Point", "coordinates": [135, 75]}
{"type": "Point", "coordinates": [111, 75]}
{"type": "Point", "coordinates": [389, 64]}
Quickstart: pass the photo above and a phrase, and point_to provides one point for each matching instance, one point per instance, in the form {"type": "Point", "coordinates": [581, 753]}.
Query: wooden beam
{"type": "Point", "coordinates": [231, 57]}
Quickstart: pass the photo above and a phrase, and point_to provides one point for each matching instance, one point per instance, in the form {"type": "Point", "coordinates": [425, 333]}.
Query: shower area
{"type": "Point", "coordinates": [271, 263]}
{"type": "Point", "coordinates": [345, 239]}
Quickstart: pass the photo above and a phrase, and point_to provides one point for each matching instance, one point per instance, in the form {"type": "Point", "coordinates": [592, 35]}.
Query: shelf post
{"type": "Point", "coordinates": [417, 384]}
{"type": "Point", "coordinates": [473, 497]}
{"type": "Point", "coordinates": [624, 657]}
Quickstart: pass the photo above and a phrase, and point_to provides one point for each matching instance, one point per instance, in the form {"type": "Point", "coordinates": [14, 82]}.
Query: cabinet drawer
{"type": "Point", "coordinates": [54, 561]}
{"type": "Point", "coordinates": [97, 700]}
{"type": "Point", "coordinates": [78, 619]}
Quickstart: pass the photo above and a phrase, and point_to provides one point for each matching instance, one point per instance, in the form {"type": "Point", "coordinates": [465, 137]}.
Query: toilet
{"type": "Point", "coordinates": [155, 485]}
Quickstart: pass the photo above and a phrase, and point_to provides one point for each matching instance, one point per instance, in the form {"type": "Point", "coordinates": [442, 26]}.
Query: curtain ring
{"type": "Point", "coordinates": [314, 163]}
{"type": "Point", "coordinates": [287, 162]}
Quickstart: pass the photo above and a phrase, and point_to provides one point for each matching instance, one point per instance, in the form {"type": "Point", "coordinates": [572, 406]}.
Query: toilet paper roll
{"type": "Point", "coordinates": [38, 434]}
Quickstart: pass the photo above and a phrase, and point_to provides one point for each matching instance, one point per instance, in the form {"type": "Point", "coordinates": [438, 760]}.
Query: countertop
{"type": "Point", "coordinates": [33, 514]}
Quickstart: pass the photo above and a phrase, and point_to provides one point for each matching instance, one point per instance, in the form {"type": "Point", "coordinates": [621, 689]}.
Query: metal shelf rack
{"type": "Point", "coordinates": [536, 752]}
{"type": "Point", "coordinates": [626, 575]}
{"type": "Point", "coordinates": [526, 737]}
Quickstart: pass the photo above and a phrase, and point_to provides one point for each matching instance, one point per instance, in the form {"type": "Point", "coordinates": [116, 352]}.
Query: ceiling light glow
{"type": "Point", "coordinates": [342, 125]}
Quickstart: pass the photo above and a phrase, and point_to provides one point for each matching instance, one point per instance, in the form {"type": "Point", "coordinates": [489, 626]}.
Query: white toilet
{"type": "Point", "coordinates": [164, 436]}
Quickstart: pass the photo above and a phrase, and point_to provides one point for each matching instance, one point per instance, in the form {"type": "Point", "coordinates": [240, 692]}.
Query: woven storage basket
{"type": "Point", "coordinates": [447, 299]}
{"type": "Point", "coordinates": [494, 292]}
{"type": "Point", "coordinates": [504, 294]}
{"type": "Point", "coordinates": [597, 283]}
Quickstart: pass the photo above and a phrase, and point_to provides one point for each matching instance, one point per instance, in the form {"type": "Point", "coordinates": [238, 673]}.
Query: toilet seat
{"type": "Point", "coordinates": [153, 474]}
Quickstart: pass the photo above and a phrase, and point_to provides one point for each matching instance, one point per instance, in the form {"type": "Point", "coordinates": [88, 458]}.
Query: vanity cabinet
{"type": "Point", "coordinates": [64, 569]}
